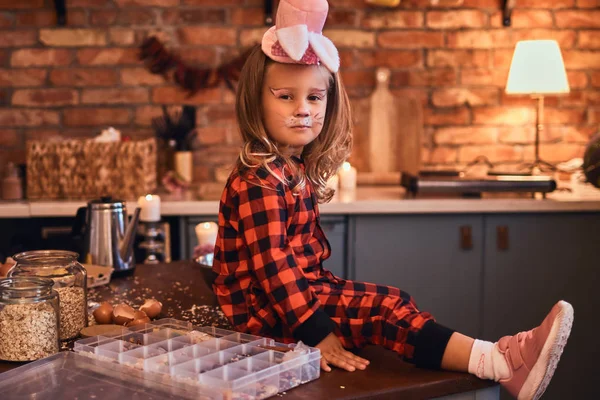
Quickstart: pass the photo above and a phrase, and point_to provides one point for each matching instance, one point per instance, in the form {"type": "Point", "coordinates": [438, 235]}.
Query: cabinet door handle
{"type": "Point", "coordinates": [466, 237]}
{"type": "Point", "coordinates": [502, 237]}
{"type": "Point", "coordinates": [50, 231]}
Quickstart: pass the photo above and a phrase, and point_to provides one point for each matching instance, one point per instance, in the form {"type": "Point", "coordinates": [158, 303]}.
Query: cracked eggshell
{"type": "Point", "coordinates": [152, 308]}
{"type": "Point", "coordinates": [104, 313]}
{"type": "Point", "coordinates": [138, 322]}
{"type": "Point", "coordinates": [123, 314]}
{"type": "Point", "coordinates": [140, 318]}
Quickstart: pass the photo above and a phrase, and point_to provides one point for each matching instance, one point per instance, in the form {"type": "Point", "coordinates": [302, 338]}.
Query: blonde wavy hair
{"type": "Point", "coordinates": [322, 157]}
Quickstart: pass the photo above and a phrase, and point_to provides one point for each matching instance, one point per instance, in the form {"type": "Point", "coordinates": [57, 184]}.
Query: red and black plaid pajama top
{"type": "Point", "coordinates": [271, 282]}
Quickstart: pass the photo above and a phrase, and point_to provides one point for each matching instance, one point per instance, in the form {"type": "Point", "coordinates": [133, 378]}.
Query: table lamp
{"type": "Point", "coordinates": [537, 69]}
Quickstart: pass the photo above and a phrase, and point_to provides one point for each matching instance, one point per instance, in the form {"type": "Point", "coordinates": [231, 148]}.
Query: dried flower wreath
{"type": "Point", "coordinates": [161, 61]}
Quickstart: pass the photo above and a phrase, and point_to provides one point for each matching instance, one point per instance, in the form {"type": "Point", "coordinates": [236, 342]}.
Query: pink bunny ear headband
{"type": "Point", "coordinates": [297, 37]}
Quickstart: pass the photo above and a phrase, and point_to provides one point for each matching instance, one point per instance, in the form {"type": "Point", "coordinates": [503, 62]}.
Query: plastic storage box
{"type": "Point", "coordinates": [167, 359]}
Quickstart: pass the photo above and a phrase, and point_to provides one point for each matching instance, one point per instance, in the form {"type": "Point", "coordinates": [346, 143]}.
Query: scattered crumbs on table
{"type": "Point", "coordinates": [134, 294]}
{"type": "Point", "coordinates": [342, 387]}
{"type": "Point", "coordinates": [203, 315]}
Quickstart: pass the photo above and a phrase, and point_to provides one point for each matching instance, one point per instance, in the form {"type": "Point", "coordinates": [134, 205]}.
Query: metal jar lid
{"type": "Point", "coordinates": [107, 203]}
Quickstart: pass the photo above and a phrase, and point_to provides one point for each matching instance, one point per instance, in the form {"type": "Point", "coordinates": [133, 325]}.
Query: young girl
{"type": "Point", "coordinates": [294, 117]}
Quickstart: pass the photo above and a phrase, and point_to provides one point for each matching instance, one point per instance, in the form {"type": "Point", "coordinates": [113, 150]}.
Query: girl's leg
{"type": "Point", "coordinates": [524, 363]}
{"type": "Point", "coordinates": [367, 313]}
{"type": "Point", "coordinates": [457, 353]}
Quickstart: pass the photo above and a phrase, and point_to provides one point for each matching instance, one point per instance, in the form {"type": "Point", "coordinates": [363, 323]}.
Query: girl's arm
{"type": "Point", "coordinates": [263, 215]}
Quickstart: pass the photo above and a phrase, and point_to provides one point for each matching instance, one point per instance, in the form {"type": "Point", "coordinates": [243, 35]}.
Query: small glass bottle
{"type": "Point", "coordinates": [29, 319]}
{"type": "Point", "coordinates": [70, 281]}
{"type": "Point", "coordinates": [12, 185]}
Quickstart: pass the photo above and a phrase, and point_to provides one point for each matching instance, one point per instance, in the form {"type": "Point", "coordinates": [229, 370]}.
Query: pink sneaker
{"type": "Point", "coordinates": [532, 356]}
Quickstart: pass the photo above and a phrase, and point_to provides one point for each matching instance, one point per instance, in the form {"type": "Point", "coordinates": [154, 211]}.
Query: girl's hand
{"type": "Point", "coordinates": [203, 250]}
{"type": "Point", "coordinates": [332, 352]}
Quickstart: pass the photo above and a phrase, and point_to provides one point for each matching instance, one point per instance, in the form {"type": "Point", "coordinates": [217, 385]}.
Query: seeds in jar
{"type": "Point", "coordinates": [27, 332]}
{"type": "Point", "coordinates": [72, 311]}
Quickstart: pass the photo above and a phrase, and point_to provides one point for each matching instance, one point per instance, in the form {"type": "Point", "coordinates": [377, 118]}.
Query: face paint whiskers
{"type": "Point", "coordinates": [304, 122]}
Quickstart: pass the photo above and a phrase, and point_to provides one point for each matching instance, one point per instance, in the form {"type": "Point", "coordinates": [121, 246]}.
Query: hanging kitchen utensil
{"type": "Point", "coordinates": [177, 126]}
{"type": "Point", "coordinates": [61, 12]}
{"type": "Point", "coordinates": [268, 12]}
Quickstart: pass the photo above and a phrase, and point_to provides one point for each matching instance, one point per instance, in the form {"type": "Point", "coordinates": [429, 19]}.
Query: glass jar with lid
{"type": "Point", "coordinates": [29, 319]}
{"type": "Point", "coordinates": [70, 281]}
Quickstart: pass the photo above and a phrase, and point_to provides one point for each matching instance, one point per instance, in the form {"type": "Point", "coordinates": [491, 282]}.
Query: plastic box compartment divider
{"type": "Point", "coordinates": [228, 364]}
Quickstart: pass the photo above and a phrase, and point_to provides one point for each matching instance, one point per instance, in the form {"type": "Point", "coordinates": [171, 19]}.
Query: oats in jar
{"type": "Point", "coordinates": [72, 311]}
{"type": "Point", "coordinates": [27, 331]}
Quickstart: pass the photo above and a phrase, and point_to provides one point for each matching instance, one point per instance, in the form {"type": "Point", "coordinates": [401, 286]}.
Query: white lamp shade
{"type": "Point", "coordinates": [537, 67]}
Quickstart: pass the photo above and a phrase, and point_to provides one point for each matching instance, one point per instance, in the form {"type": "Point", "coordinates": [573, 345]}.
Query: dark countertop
{"type": "Point", "coordinates": [180, 287]}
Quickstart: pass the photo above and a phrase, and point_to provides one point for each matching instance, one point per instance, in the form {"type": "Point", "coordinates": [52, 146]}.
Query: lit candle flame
{"type": "Point", "coordinates": [346, 166]}
{"type": "Point", "coordinates": [149, 197]}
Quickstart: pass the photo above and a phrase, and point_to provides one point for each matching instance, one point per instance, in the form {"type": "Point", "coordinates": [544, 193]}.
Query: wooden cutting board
{"type": "Point", "coordinates": [387, 134]}
{"type": "Point", "coordinates": [408, 116]}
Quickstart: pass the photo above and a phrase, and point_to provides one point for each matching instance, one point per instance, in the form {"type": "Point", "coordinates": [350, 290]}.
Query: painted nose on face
{"type": "Point", "coordinates": [302, 110]}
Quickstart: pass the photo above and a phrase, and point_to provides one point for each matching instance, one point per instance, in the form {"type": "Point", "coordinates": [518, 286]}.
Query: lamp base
{"type": "Point", "coordinates": [540, 165]}
{"type": "Point", "coordinates": [537, 167]}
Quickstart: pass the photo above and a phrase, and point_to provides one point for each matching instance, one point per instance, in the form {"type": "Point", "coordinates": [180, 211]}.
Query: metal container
{"type": "Point", "coordinates": [108, 237]}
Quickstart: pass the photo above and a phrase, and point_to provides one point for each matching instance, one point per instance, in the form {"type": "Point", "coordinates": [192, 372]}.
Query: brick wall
{"type": "Point", "coordinates": [453, 55]}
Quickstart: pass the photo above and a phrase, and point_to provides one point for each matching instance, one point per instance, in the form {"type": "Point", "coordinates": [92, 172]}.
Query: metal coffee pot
{"type": "Point", "coordinates": [108, 237]}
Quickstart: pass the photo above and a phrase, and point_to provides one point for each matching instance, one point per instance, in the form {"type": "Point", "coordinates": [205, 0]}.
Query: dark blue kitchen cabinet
{"type": "Point", "coordinates": [531, 261]}
{"type": "Point", "coordinates": [435, 258]}
{"type": "Point", "coordinates": [334, 227]}
{"type": "Point", "coordinates": [336, 231]}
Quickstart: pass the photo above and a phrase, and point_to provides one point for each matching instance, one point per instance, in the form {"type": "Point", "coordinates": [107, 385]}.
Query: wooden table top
{"type": "Point", "coordinates": [181, 288]}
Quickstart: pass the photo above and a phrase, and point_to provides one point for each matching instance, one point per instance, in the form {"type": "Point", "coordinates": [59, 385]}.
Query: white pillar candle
{"type": "Point", "coordinates": [347, 176]}
{"type": "Point", "coordinates": [206, 232]}
{"type": "Point", "coordinates": [150, 205]}
{"type": "Point", "coordinates": [347, 196]}
{"type": "Point", "coordinates": [333, 182]}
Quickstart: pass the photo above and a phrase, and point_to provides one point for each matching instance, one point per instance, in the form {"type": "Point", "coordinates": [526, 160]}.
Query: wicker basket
{"type": "Point", "coordinates": [84, 169]}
